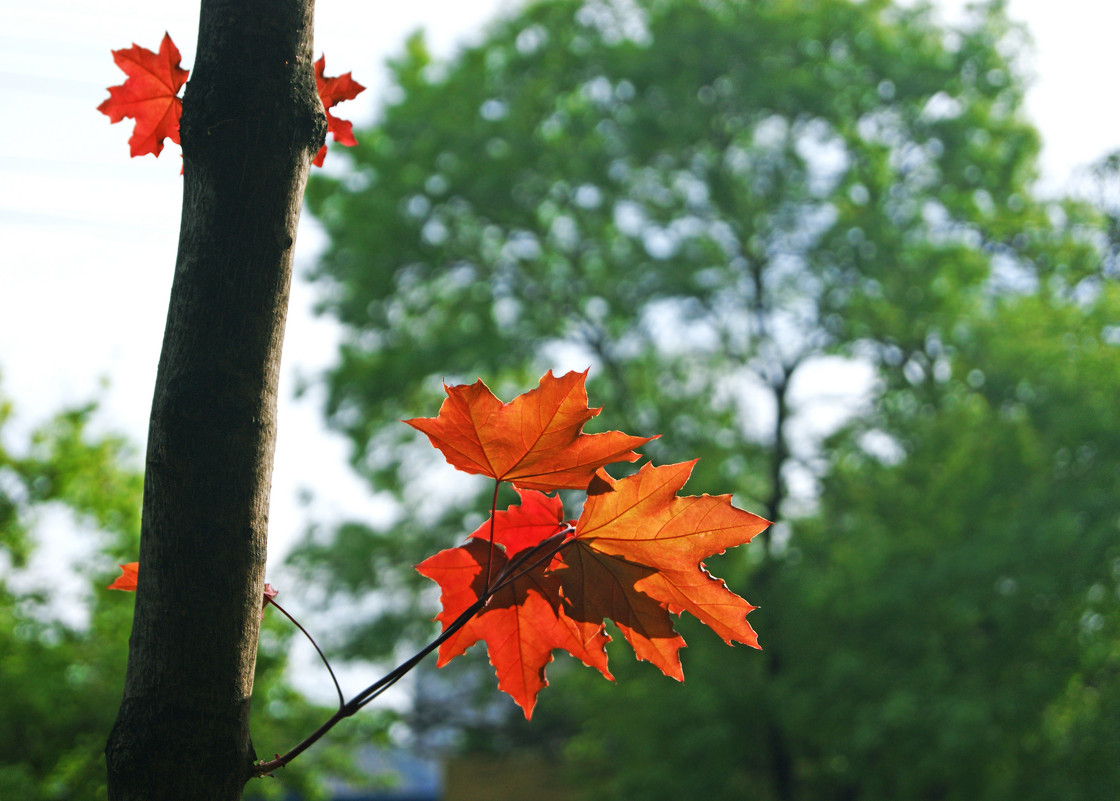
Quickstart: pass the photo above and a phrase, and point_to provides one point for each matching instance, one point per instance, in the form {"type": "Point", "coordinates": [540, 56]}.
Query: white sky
{"type": "Point", "coordinates": [88, 235]}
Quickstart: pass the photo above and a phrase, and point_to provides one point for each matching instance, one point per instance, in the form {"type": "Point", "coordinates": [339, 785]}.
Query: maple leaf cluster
{"type": "Point", "coordinates": [150, 96]}
{"type": "Point", "coordinates": [528, 582]}
{"type": "Point", "coordinates": [635, 554]}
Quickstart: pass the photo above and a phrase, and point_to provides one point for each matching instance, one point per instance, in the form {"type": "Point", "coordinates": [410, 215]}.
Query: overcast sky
{"type": "Point", "coordinates": [88, 235]}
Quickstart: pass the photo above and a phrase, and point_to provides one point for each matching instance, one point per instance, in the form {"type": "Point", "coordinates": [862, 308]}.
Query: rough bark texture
{"type": "Point", "coordinates": [251, 122]}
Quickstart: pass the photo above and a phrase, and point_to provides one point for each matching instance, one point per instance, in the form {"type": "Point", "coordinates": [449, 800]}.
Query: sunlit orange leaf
{"type": "Point", "coordinates": [333, 91]}
{"type": "Point", "coordinates": [127, 579]}
{"type": "Point", "coordinates": [149, 95]}
{"type": "Point", "coordinates": [535, 441]}
{"type": "Point", "coordinates": [641, 519]}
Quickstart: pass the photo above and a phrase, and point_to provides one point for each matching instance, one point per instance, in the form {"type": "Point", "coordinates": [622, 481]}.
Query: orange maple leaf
{"type": "Point", "coordinates": [127, 579]}
{"type": "Point", "coordinates": [535, 441]}
{"type": "Point", "coordinates": [149, 95]}
{"type": "Point", "coordinates": [333, 91]}
{"type": "Point", "coordinates": [637, 540]}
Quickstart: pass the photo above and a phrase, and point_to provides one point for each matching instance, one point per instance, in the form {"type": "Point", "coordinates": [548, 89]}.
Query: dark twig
{"type": "Point", "coordinates": [318, 650]}
{"type": "Point", "coordinates": [532, 557]}
{"type": "Point", "coordinates": [369, 693]}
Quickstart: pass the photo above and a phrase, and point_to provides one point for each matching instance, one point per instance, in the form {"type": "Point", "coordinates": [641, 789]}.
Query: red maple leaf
{"type": "Point", "coordinates": [127, 579]}
{"type": "Point", "coordinates": [535, 441]}
{"type": "Point", "coordinates": [149, 95]}
{"type": "Point", "coordinates": [333, 91]}
{"type": "Point", "coordinates": [524, 621]}
{"type": "Point", "coordinates": [634, 556]}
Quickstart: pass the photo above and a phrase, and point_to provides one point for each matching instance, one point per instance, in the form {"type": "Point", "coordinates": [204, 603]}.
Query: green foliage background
{"type": "Point", "coordinates": [60, 685]}
{"type": "Point", "coordinates": [734, 213]}
{"type": "Point", "coordinates": [710, 204]}
{"type": "Point", "coordinates": [61, 682]}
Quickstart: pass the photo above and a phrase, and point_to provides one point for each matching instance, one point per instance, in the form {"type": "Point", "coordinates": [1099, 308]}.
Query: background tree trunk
{"type": "Point", "coordinates": [252, 121]}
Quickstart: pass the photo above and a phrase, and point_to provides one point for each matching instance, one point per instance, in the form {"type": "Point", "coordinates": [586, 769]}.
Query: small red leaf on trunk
{"type": "Point", "coordinates": [333, 91]}
{"type": "Point", "coordinates": [127, 579]}
{"type": "Point", "coordinates": [149, 95]}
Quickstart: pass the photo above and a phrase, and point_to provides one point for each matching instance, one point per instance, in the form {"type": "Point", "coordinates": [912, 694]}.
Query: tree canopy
{"type": "Point", "coordinates": [735, 212]}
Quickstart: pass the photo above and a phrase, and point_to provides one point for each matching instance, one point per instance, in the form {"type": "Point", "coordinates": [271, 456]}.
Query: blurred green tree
{"type": "Point", "coordinates": [969, 580]}
{"type": "Point", "coordinates": [63, 648]}
{"type": "Point", "coordinates": [1103, 191]}
{"type": "Point", "coordinates": [735, 212]}
{"type": "Point", "coordinates": [948, 624]}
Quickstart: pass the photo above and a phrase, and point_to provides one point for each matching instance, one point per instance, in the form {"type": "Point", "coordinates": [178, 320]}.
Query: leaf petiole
{"type": "Point", "coordinates": [490, 550]}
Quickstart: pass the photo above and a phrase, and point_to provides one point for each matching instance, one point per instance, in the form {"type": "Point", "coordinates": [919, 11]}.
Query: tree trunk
{"type": "Point", "coordinates": [252, 121]}
{"type": "Point", "coordinates": [781, 757]}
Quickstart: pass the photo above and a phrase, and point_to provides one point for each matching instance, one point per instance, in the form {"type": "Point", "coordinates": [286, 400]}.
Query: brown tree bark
{"type": "Point", "coordinates": [252, 121]}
